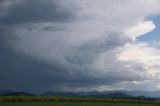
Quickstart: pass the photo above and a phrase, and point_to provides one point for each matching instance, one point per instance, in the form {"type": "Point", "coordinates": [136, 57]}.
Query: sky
{"type": "Point", "coordinates": [79, 45]}
{"type": "Point", "coordinates": [155, 34]}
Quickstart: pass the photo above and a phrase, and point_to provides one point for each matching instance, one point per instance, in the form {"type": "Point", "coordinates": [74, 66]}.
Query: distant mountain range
{"type": "Point", "coordinates": [88, 94]}
{"type": "Point", "coordinates": [18, 94]}
{"type": "Point", "coordinates": [14, 93]}
{"type": "Point", "coordinates": [4, 92]}
{"type": "Point", "coordinates": [144, 93]}
{"type": "Point", "coordinates": [59, 94]}
{"type": "Point", "coordinates": [106, 94]}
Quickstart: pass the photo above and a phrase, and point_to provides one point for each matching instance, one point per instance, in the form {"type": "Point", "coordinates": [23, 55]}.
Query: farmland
{"type": "Point", "coordinates": [71, 101]}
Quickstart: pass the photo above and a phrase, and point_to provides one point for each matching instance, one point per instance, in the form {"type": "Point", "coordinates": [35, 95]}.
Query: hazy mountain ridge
{"type": "Point", "coordinates": [5, 91]}
{"type": "Point", "coordinates": [19, 94]}
{"type": "Point", "coordinates": [107, 94]}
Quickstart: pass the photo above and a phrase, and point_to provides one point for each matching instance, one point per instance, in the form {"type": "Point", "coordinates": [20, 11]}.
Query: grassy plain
{"type": "Point", "coordinates": [71, 101]}
{"type": "Point", "coordinates": [73, 104]}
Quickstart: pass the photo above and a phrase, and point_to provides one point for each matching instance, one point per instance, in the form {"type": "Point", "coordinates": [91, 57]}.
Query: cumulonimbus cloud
{"type": "Point", "coordinates": [73, 44]}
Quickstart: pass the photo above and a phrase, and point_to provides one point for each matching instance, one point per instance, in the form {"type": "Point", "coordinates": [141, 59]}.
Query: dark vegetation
{"type": "Point", "coordinates": [73, 104]}
{"type": "Point", "coordinates": [69, 97]}
{"type": "Point", "coordinates": [72, 99]}
{"type": "Point", "coordinates": [15, 99]}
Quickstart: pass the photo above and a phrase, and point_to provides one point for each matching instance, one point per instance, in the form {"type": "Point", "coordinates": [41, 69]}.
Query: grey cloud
{"type": "Point", "coordinates": [41, 48]}
{"type": "Point", "coordinates": [52, 28]}
{"type": "Point", "coordinates": [90, 50]}
{"type": "Point", "coordinates": [25, 73]}
{"type": "Point", "coordinates": [29, 11]}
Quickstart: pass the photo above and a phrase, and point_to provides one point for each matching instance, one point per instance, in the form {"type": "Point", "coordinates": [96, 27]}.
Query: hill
{"type": "Point", "coordinates": [18, 94]}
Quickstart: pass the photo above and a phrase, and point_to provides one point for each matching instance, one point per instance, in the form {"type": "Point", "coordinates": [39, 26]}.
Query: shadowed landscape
{"type": "Point", "coordinates": [73, 101]}
{"type": "Point", "coordinates": [76, 99]}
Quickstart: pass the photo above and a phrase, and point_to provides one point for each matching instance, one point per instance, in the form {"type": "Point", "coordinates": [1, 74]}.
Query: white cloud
{"type": "Point", "coordinates": [140, 29]}
{"type": "Point", "coordinates": [145, 57]}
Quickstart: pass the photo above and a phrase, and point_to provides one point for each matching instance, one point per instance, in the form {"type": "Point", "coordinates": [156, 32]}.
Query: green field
{"type": "Point", "coordinates": [71, 101]}
{"type": "Point", "coordinates": [73, 104]}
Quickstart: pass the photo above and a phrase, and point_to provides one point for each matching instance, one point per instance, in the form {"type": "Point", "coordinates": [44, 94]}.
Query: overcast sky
{"type": "Point", "coordinates": [79, 45]}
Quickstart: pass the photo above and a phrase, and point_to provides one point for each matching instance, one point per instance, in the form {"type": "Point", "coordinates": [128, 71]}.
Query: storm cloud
{"type": "Point", "coordinates": [68, 45]}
